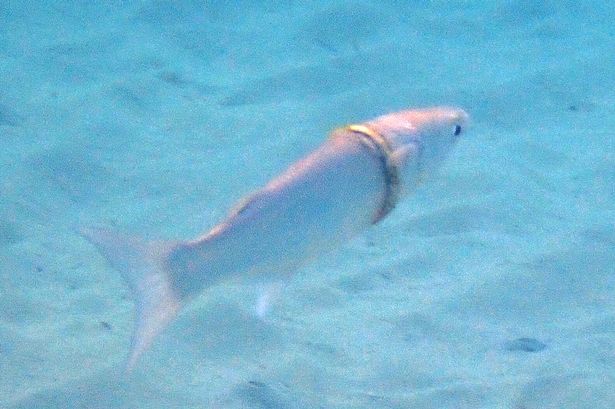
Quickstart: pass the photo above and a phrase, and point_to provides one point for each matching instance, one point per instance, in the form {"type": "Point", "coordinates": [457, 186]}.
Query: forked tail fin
{"type": "Point", "coordinates": [143, 267]}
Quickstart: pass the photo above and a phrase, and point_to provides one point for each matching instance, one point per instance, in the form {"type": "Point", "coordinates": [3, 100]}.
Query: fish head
{"type": "Point", "coordinates": [420, 140]}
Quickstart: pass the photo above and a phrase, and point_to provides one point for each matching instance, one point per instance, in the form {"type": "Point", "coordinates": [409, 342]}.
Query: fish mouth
{"type": "Point", "coordinates": [462, 120]}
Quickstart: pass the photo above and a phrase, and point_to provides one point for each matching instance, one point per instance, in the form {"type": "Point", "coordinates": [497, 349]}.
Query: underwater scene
{"type": "Point", "coordinates": [328, 204]}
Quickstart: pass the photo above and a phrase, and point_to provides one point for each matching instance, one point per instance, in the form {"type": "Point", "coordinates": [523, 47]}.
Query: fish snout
{"type": "Point", "coordinates": [460, 120]}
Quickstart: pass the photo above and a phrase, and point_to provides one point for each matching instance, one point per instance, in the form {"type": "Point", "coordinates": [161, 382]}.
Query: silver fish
{"type": "Point", "coordinates": [353, 180]}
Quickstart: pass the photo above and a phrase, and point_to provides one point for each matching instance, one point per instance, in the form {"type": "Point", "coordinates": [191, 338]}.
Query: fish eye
{"type": "Point", "coordinates": [457, 130]}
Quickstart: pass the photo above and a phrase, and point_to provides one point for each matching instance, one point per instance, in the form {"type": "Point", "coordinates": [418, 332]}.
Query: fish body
{"type": "Point", "coordinates": [353, 180]}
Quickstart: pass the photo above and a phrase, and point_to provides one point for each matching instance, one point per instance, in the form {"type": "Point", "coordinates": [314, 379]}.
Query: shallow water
{"type": "Point", "coordinates": [492, 286]}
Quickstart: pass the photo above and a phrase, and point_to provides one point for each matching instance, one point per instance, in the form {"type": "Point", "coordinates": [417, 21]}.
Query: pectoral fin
{"type": "Point", "coordinates": [268, 297]}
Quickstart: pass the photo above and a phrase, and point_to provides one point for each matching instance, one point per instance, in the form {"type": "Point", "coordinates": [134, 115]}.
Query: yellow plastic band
{"type": "Point", "coordinates": [369, 132]}
{"type": "Point", "coordinates": [381, 146]}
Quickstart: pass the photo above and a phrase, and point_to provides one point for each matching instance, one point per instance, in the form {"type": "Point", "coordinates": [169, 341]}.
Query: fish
{"type": "Point", "coordinates": [352, 181]}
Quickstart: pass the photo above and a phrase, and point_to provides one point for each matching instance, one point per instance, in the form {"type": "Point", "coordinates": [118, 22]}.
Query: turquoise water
{"type": "Point", "coordinates": [493, 286]}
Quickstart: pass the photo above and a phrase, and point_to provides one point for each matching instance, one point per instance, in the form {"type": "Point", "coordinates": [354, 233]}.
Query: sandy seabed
{"type": "Point", "coordinates": [492, 287]}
